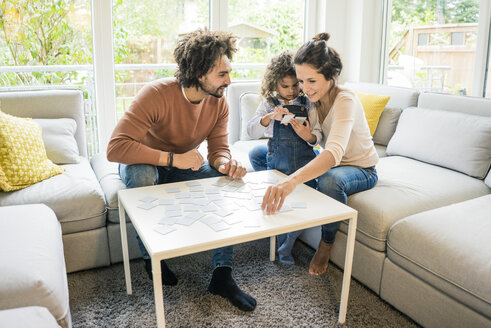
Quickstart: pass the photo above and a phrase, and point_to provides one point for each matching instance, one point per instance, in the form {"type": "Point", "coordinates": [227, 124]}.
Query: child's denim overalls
{"type": "Point", "coordinates": [287, 152]}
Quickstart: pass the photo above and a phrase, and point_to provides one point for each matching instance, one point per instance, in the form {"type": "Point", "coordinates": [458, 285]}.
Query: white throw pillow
{"type": "Point", "coordinates": [248, 103]}
{"type": "Point", "coordinates": [59, 140]}
{"type": "Point", "coordinates": [457, 141]}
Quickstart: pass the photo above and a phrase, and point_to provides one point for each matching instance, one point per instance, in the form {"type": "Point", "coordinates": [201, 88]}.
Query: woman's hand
{"type": "Point", "coordinates": [275, 196]}
{"type": "Point", "coordinates": [303, 131]}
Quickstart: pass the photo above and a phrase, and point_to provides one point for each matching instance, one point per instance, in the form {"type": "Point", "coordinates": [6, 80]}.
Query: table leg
{"type": "Point", "coordinates": [272, 248]}
{"type": "Point", "coordinates": [348, 262]}
{"type": "Point", "coordinates": [124, 242]}
{"type": "Point", "coordinates": [158, 293]}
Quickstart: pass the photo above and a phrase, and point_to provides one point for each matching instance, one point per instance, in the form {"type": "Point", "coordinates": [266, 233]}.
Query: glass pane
{"type": "Point", "coordinates": [145, 33]}
{"type": "Point", "coordinates": [48, 45]}
{"type": "Point", "coordinates": [433, 45]}
{"type": "Point", "coordinates": [265, 28]}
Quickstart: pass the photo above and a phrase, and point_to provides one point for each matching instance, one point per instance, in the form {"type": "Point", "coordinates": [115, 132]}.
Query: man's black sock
{"type": "Point", "coordinates": [224, 285]}
{"type": "Point", "coordinates": [168, 277]}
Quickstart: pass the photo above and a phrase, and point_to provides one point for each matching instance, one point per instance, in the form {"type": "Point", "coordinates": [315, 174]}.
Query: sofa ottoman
{"type": "Point", "coordinates": [32, 270]}
{"type": "Point", "coordinates": [27, 317]}
{"type": "Point", "coordinates": [448, 249]}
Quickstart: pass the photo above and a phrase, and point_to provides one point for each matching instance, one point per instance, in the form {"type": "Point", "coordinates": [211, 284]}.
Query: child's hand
{"type": "Point", "coordinates": [303, 131]}
{"type": "Point", "coordinates": [279, 111]}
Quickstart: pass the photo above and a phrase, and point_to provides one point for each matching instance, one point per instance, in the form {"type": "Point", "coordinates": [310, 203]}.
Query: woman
{"type": "Point", "coordinates": [347, 164]}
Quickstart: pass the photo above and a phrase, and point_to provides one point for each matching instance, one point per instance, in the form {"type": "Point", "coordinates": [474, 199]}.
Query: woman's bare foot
{"type": "Point", "coordinates": [319, 262]}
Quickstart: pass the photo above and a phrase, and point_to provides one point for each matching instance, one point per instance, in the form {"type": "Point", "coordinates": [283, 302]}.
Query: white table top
{"type": "Point", "coordinates": [198, 237]}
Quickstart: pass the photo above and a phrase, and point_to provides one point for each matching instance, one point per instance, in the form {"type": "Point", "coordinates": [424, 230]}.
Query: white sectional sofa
{"type": "Point", "coordinates": [33, 281]}
{"type": "Point", "coordinates": [423, 239]}
{"type": "Point", "coordinates": [75, 196]}
{"type": "Point", "coordinates": [423, 232]}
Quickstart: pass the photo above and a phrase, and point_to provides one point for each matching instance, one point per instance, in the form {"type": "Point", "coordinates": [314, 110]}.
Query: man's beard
{"type": "Point", "coordinates": [214, 93]}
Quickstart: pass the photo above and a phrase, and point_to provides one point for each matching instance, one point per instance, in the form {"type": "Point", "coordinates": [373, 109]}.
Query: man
{"type": "Point", "coordinates": [156, 140]}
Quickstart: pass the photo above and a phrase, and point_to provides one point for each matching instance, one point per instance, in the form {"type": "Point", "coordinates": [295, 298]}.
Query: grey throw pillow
{"type": "Point", "coordinates": [386, 125]}
{"type": "Point", "coordinates": [59, 140]}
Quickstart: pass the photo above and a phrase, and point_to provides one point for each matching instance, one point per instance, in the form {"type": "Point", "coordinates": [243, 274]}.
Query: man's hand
{"type": "Point", "coordinates": [189, 160]}
{"type": "Point", "coordinates": [233, 169]}
{"type": "Point", "coordinates": [303, 131]}
{"type": "Point", "coordinates": [275, 196]}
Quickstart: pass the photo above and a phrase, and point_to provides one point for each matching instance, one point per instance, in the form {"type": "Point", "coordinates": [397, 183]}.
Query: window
{"type": "Point", "coordinates": [143, 48]}
{"type": "Point", "coordinates": [264, 33]}
{"type": "Point", "coordinates": [145, 33]}
{"type": "Point", "coordinates": [48, 46]}
{"type": "Point", "coordinates": [432, 45]}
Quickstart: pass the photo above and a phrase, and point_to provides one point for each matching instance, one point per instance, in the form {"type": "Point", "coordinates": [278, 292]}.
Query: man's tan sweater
{"type": "Point", "coordinates": [160, 118]}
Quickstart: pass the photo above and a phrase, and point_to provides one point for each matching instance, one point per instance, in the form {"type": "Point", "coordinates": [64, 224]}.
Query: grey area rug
{"type": "Point", "coordinates": [287, 296]}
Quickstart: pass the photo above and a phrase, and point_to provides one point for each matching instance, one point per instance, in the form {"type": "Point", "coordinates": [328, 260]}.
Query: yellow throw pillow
{"type": "Point", "coordinates": [23, 159]}
{"type": "Point", "coordinates": [373, 105]}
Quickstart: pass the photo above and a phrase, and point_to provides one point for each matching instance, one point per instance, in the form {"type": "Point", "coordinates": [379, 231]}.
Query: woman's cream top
{"type": "Point", "coordinates": [346, 132]}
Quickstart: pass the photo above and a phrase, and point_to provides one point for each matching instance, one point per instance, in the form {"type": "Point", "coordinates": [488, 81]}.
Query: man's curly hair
{"type": "Point", "coordinates": [280, 66]}
{"type": "Point", "coordinates": [197, 53]}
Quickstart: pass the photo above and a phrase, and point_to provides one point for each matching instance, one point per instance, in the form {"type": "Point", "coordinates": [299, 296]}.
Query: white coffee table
{"type": "Point", "coordinates": [199, 237]}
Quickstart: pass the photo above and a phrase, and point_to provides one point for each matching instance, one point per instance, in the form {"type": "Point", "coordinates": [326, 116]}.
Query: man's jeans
{"type": "Point", "coordinates": [340, 182]}
{"type": "Point", "coordinates": [141, 175]}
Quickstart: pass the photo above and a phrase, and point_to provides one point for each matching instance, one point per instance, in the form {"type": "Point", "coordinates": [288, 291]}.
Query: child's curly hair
{"type": "Point", "coordinates": [279, 67]}
{"type": "Point", "coordinates": [197, 53]}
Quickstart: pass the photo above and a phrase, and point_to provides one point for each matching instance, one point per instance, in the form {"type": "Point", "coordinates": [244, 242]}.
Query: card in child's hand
{"type": "Point", "coordinates": [300, 119]}
{"type": "Point", "coordinates": [287, 118]}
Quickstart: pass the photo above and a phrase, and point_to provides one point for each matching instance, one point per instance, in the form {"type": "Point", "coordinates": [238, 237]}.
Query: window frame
{"type": "Point", "coordinates": [483, 48]}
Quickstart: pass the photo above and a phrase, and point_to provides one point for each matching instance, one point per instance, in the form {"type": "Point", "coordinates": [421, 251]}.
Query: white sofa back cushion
{"type": "Point", "coordinates": [487, 181]}
{"type": "Point", "coordinates": [234, 91]}
{"type": "Point", "coordinates": [59, 140]}
{"type": "Point", "coordinates": [248, 103]}
{"type": "Point", "coordinates": [49, 104]}
{"type": "Point", "coordinates": [468, 105]}
{"type": "Point", "coordinates": [453, 140]}
{"type": "Point", "coordinates": [399, 97]}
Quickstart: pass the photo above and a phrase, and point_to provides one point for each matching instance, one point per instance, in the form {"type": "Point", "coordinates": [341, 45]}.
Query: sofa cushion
{"type": "Point", "coordinates": [248, 103]}
{"type": "Point", "coordinates": [405, 187]}
{"type": "Point", "coordinates": [33, 265]}
{"type": "Point", "coordinates": [75, 196]}
{"type": "Point", "coordinates": [59, 140]}
{"type": "Point", "coordinates": [28, 317]}
{"type": "Point", "coordinates": [448, 247]}
{"type": "Point", "coordinates": [373, 106]}
{"type": "Point", "coordinates": [49, 104]}
{"type": "Point", "coordinates": [381, 150]}
{"type": "Point", "coordinates": [23, 159]}
{"type": "Point", "coordinates": [399, 97]}
{"type": "Point", "coordinates": [453, 140]}
{"type": "Point", "coordinates": [463, 104]}
{"type": "Point", "coordinates": [110, 181]}
{"type": "Point", "coordinates": [233, 95]}
{"type": "Point", "coordinates": [240, 151]}
{"type": "Point", "coordinates": [386, 125]}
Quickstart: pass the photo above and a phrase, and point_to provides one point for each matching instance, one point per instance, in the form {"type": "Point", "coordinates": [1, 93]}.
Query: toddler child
{"type": "Point", "coordinates": [290, 145]}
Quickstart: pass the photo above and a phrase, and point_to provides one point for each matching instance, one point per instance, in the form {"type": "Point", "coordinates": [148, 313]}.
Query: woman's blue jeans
{"type": "Point", "coordinates": [141, 175]}
{"type": "Point", "coordinates": [340, 182]}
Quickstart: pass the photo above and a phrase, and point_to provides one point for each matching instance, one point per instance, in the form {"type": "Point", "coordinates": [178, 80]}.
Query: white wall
{"type": "Point", "coordinates": [355, 27]}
